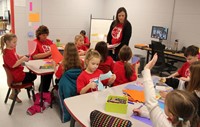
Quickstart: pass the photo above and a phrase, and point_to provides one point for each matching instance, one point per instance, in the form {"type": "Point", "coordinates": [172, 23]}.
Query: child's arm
{"type": "Point", "coordinates": [173, 75]}
{"type": "Point", "coordinates": [20, 61]}
{"type": "Point", "coordinates": [111, 79]}
{"type": "Point", "coordinates": [42, 55]}
{"type": "Point", "coordinates": [142, 113]}
{"type": "Point", "coordinates": [157, 116]}
{"type": "Point", "coordinates": [91, 85]}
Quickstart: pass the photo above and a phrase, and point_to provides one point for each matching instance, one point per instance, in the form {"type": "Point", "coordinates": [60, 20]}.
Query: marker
{"type": "Point", "coordinates": [130, 102]}
{"type": "Point", "coordinates": [140, 107]}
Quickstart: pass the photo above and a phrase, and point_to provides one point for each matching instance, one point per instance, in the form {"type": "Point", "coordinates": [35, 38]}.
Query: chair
{"type": "Point", "coordinates": [12, 85]}
{"type": "Point", "coordinates": [161, 64]}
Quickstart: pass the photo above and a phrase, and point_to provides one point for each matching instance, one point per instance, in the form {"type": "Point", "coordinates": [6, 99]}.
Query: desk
{"type": "Point", "coordinates": [81, 106]}
{"type": "Point", "coordinates": [169, 55]}
{"type": "Point", "coordinates": [34, 66]}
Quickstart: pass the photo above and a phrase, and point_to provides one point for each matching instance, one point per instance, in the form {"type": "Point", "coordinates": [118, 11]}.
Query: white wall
{"type": "Point", "coordinates": [65, 18]}
{"type": "Point", "coordinates": [186, 22]}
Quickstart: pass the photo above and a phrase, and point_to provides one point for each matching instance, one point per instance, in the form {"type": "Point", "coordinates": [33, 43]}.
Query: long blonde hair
{"type": "Point", "coordinates": [91, 53]}
{"type": "Point", "coordinates": [6, 37]}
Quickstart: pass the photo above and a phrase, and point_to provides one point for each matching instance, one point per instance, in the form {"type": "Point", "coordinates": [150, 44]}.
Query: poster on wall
{"type": "Point", "coordinates": [98, 30]}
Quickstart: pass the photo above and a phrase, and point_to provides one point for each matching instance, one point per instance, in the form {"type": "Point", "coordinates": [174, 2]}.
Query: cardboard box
{"type": "Point", "coordinates": [117, 104]}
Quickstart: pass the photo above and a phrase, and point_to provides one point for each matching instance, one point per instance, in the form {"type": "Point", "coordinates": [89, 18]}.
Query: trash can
{"type": "Point", "coordinates": [142, 63]}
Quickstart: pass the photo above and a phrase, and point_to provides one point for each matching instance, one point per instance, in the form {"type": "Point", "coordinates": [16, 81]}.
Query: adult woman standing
{"type": "Point", "coordinates": [120, 32]}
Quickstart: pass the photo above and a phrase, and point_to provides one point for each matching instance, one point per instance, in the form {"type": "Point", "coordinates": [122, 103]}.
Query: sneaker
{"type": "Point", "coordinates": [17, 99]}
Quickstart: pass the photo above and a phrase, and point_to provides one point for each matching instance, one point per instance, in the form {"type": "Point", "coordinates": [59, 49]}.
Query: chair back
{"type": "Point", "coordinates": [9, 75]}
{"type": "Point", "coordinates": [158, 47]}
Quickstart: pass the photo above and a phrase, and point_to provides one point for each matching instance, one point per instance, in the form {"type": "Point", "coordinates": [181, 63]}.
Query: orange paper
{"type": "Point", "coordinates": [34, 17]}
{"type": "Point", "coordinates": [55, 54]}
{"type": "Point", "coordinates": [135, 94]}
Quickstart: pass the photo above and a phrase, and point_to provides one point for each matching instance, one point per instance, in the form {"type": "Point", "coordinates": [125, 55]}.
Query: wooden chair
{"type": "Point", "coordinates": [12, 85]}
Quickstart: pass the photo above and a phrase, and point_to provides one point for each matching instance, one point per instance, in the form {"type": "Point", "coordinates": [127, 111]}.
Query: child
{"type": "Point", "coordinates": [180, 106]}
{"type": "Point", "coordinates": [80, 45]}
{"type": "Point", "coordinates": [68, 73]}
{"type": "Point", "coordinates": [106, 63]}
{"type": "Point", "coordinates": [194, 83]}
{"type": "Point", "coordinates": [183, 74]}
{"type": "Point", "coordinates": [86, 40]}
{"type": "Point", "coordinates": [14, 62]}
{"type": "Point", "coordinates": [125, 72]}
{"type": "Point", "coordinates": [86, 80]}
{"type": "Point", "coordinates": [71, 60]}
{"type": "Point", "coordinates": [43, 51]}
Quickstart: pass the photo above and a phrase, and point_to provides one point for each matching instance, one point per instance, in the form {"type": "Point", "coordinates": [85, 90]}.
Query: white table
{"type": "Point", "coordinates": [81, 106]}
{"type": "Point", "coordinates": [34, 66]}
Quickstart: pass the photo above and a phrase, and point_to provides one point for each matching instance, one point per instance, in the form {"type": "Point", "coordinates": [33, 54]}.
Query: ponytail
{"type": "Point", "coordinates": [6, 37]}
{"type": "Point", "coordinates": [2, 44]}
{"type": "Point", "coordinates": [128, 70]}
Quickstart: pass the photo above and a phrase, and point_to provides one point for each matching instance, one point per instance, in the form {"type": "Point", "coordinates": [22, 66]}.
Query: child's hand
{"type": "Point", "coordinates": [112, 79]}
{"type": "Point", "coordinates": [25, 58]}
{"type": "Point", "coordinates": [163, 94]}
{"type": "Point", "coordinates": [92, 85]}
{"type": "Point", "coordinates": [137, 112]}
{"type": "Point", "coordinates": [151, 63]}
{"type": "Point", "coordinates": [137, 65]}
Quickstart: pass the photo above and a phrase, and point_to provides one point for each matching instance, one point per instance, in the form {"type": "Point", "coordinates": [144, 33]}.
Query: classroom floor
{"type": "Point", "coordinates": [19, 118]}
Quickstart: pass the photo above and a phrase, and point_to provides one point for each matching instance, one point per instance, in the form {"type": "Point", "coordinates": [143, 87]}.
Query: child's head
{"type": "Point", "coordinates": [125, 54]}
{"type": "Point", "coordinates": [194, 83]}
{"type": "Point", "coordinates": [83, 33]}
{"type": "Point", "coordinates": [79, 40]}
{"type": "Point", "coordinates": [191, 54]}
{"type": "Point", "coordinates": [92, 60]}
{"type": "Point", "coordinates": [181, 107]}
{"type": "Point", "coordinates": [102, 48]}
{"type": "Point", "coordinates": [71, 57]}
{"type": "Point", "coordinates": [8, 39]}
{"type": "Point", "coordinates": [42, 32]}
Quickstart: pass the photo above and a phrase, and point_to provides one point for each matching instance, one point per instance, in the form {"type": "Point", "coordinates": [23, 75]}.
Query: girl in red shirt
{"type": "Point", "coordinates": [79, 42]}
{"type": "Point", "coordinates": [106, 63]}
{"type": "Point", "coordinates": [86, 81]}
{"type": "Point", "coordinates": [71, 60]}
{"type": "Point", "coordinates": [14, 62]}
{"type": "Point", "coordinates": [125, 72]}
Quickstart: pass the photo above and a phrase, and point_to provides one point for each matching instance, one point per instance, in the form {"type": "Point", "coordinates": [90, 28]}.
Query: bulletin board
{"type": "Point", "coordinates": [98, 30]}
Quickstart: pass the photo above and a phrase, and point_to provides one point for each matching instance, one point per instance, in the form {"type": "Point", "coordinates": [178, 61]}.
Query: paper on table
{"type": "Point", "coordinates": [55, 54]}
{"type": "Point", "coordinates": [135, 59]}
{"type": "Point", "coordinates": [135, 94]}
{"type": "Point", "coordinates": [113, 45]}
{"type": "Point", "coordinates": [134, 87]}
{"type": "Point", "coordinates": [143, 119]}
{"type": "Point", "coordinates": [105, 76]}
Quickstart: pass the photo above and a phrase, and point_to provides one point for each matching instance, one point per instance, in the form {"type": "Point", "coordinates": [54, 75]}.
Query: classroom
{"type": "Point", "coordinates": [66, 18]}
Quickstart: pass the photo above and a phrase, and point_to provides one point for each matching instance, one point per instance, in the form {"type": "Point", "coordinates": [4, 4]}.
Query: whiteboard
{"type": "Point", "coordinates": [98, 30]}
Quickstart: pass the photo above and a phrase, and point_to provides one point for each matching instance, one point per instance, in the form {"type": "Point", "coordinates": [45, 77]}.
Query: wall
{"type": "Point", "coordinates": [186, 22]}
{"type": "Point", "coordinates": [66, 18]}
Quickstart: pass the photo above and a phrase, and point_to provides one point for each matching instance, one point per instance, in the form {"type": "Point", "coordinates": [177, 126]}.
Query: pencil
{"type": "Point", "coordinates": [140, 107]}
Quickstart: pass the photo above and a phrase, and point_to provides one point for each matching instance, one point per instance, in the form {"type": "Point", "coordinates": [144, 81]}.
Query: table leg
{"type": "Point", "coordinates": [147, 59]}
{"type": "Point", "coordinates": [41, 95]}
{"type": "Point", "coordinates": [72, 122]}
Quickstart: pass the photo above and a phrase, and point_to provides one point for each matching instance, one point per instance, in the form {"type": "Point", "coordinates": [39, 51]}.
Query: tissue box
{"type": "Point", "coordinates": [117, 104]}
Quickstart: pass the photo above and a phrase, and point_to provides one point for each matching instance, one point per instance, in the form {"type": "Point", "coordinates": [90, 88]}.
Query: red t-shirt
{"type": "Point", "coordinates": [10, 58]}
{"type": "Point", "coordinates": [119, 71]}
{"type": "Point", "coordinates": [184, 70]}
{"type": "Point", "coordinates": [107, 65]}
{"type": "Point", "coordinates": [86, 41]}
{"type": "Point", "coordinates": [117, 34]}
{"type": "Point", "coordinates": [42, 47]}
{"type": "Point", "coordinates": [60, 70]}
{"type": "Point", "coordinates": [84, 78]}
{"type": "Point", "coordinates": [82, 47]}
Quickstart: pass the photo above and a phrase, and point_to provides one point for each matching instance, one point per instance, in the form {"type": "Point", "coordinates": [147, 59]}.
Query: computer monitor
{"type": "Point", "coordinates": [159, 32]}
